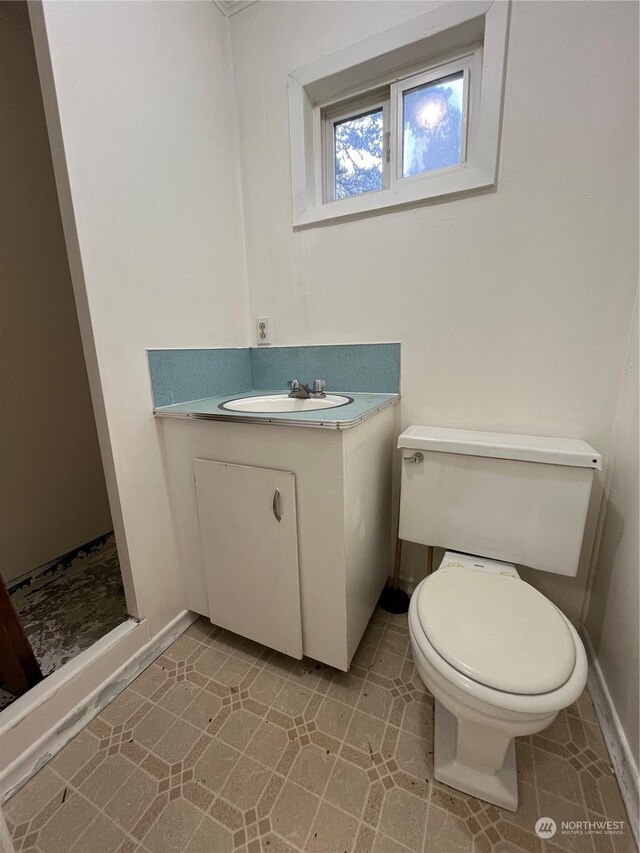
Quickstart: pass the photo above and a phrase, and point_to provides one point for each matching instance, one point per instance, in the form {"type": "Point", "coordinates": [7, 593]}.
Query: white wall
{"type": "Point", "coordinates": [144, 103]}
{"type": "Point", "coordinates": [139, 108]}
{"type": "Point", "coordinates": [612, 617]}
{"type": "Point", "coordinates": [52, 488]}
{"type": "Point", "coordinates": [512, 307]}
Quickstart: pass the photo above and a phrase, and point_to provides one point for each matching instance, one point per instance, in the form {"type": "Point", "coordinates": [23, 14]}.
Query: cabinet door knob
{"type": "Point", "coordinates": [276, 505]}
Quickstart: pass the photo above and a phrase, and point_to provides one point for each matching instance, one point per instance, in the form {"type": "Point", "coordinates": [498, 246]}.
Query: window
{"type": "Point", "coordinates": [409, 130]}
{"type": "Point", "coordinates": [409, 115]}
{"type": "Point", "coordinates": [355, 150]}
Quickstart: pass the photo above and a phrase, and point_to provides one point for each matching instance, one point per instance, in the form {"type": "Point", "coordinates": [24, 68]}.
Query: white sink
{"type": "Point", "coordinates": [284, 403]}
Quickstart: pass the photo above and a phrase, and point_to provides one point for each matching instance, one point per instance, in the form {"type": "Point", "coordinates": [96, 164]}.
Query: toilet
{"type": "Point", "coordinates": [500, 659]}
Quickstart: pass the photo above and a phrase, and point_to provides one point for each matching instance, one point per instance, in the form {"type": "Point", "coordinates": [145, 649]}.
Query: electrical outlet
{"type": "Point", "coordinates": [263, 332]}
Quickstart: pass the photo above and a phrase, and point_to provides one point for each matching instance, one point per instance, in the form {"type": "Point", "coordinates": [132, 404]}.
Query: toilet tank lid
{"type": "Point", "coordinates": [500, 445]}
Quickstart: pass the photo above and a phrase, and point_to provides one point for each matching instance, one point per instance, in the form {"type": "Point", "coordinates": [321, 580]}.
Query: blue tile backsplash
{"type": "Point", "coordinates": [179, 375]}
{"type": "Point", "coordinates": [346, 367]}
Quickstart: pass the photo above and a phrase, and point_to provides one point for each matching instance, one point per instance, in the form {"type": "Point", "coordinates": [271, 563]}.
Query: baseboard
{"type": "Point", "coordinates": [622, 759]}
{"type": "Point", "coordinates": [14, 775]}
{"type": "Point", "coordinates": [64, 561]}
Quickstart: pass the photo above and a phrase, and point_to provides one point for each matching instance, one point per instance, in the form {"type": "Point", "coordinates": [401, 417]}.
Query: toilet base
{"type": "Point", "coordinates": [499, 788]}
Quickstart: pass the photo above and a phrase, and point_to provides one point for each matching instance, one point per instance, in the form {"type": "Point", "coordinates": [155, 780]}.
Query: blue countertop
{"type": "Point", "coordinates": [340, 417]}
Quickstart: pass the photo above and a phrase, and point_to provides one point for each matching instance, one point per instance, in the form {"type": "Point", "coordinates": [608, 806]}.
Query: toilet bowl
{"type": "Point", "coordinates": [500, 660]}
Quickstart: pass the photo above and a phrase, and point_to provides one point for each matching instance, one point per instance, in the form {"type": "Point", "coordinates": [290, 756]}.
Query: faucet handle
{"type": "Point", "coordinates": [293, 384]}
{"type": "Point", "coordinates": [318, 386]}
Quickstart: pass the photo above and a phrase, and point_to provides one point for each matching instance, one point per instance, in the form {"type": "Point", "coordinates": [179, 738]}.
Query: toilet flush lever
{"type": "Point", "coordinates": [417, 457]}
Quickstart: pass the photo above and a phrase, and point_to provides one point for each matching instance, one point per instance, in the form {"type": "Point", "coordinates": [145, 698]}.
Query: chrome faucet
{"type": "Point", "coordinates": [303, 392]}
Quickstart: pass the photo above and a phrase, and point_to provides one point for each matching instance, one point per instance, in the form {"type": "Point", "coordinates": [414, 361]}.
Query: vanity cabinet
{"type": "Point", "coordinates": [249, 539]}
{"type": "Point", "coordinates": [321, 569]}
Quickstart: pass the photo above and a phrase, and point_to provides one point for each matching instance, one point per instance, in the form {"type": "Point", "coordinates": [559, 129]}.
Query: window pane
{"type": "Point", "coordinates": [358, 154]}
{"type": "Point", "coordinates": [432, 118]}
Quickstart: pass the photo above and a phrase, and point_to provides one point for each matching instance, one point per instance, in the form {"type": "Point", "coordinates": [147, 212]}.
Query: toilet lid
{"type": "Point", "coordinates": [497, 630]}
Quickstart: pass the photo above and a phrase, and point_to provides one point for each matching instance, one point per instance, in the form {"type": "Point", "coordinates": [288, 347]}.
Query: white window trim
{"type": "Point", "coordinates": [330, 118]}
{"type": "Point", "coordinates": [364, 67]}
{"type": "Point", "coordinates": [470, 65]}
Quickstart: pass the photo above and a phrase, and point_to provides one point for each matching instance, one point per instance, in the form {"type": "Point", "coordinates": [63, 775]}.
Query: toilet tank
{"type": "Point", "coordinates": [518, 498]}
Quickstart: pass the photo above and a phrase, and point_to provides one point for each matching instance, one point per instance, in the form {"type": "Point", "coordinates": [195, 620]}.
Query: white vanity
{"type": "Point", "coordinates": [283, 523]}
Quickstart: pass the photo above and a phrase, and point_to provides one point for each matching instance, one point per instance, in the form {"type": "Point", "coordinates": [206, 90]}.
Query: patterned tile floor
{"type": "Point", "coordinates": [223, 745]}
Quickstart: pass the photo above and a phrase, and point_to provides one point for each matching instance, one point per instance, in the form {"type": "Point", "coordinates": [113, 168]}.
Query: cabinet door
{"type": "Point", "coordinates": [249, 537]}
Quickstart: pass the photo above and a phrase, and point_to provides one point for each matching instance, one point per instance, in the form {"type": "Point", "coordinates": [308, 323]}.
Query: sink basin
{"type": "Point", "coordinates": [284, 403]}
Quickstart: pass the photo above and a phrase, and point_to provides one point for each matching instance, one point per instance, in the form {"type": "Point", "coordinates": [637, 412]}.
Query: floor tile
{"type": "Point", "coordinates": [210, 837]}
{"type": "Point", "coordinates": [403, 818]}
{"type": "Point", "coordinates": [202, 710]}
{"type": "Point", "coordinates": [153, 726]}
{"type": "Point", "coordinates": [334, 717]}
{"type": "Point", "coordinates": [388, 664]}
{"type": "Point", "coordinates": [32, 797]}
{"type": "Point", "coordinates": [201, 630]}
{"type": "Point", "coordinates": [292, 699]}
{"type": "Point", "coordinates": [245, 783]}
{"type": "Point", "coordinates": [61, 830]}
{"type": "Point", "coordinates": [174, 829]}
{"type": "Point", "coordinates": [210, 661]}
{"type": "Point", "coordinates": [332, 830]}
{"type": "Point", "coordinates": [259, 753]}
{"type": "Point", "coordinates": [132, 799]}
{"type": "Point", "coordinates": [232, 672]}
{"type": "Point", "coordinates": [293, 813]}
{"type": "Point", "coordinates": [215, 765]}
{"type": "Point", "coordinates": [150, 680]}
{"type": "Point", "coordinates": [176, 744]}
{"type": "Point", "coordinates": [398, 644]}
{"type": "Point", "coordinates": [239, 728]}
{"type": "Point", "coordinates": [554, 775]}
{"type": "Point", "coordinates": [418, 718]}
{"type": "Point", "coordinates": [376, 701]}
{"type": "Point", "coordinates": [415, 756]}
{"type": "Point", "coordinates": [106, 779]}
{"type": "Point", "coordinates": [447, 832]}
{"type": "Point", "coordinates": [348, 787]}
{"type": "Point", "coordinates": [365, 733]}
{"type": "Point", "coordinates": [265, 687]}
{"type": "Point", "coordinates": [178, 698]}
{"type": "Point", "coordinates": [312, 768]}
{"type": "Point", "coordinates": [267, 744]}
{"type": "Point", "coordinates": [101, 836]}
{"type": "Point", "coordinates": [345, 688]}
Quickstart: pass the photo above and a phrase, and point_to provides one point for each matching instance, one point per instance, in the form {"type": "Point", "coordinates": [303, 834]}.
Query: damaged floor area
{"type": "Point", "coordinates": [224, 745]}
{"type": "Point", "coordinates": [69, 603]}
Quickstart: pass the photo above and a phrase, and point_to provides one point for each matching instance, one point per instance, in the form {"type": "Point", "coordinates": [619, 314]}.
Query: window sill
{"type": "Point", "coordinates": [452, 183]}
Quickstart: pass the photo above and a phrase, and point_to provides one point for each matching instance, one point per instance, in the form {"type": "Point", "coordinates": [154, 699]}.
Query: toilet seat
{"type": "Point", "coordinates": [480, 695]}
{"type": "Point", "coordinates": [496, 630]}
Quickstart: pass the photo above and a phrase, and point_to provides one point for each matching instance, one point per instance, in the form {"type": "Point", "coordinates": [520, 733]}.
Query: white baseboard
{"type": "Point", "coordinates": [65, 728]}
{"type": "Point", "coordinates": [620, 753]}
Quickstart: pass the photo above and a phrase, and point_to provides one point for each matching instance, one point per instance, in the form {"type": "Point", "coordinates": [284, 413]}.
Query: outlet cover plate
{"type": "Point", "coordinates": [263, 331]}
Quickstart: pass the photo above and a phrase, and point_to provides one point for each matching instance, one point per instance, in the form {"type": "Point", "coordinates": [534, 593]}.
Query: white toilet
{"type": "Point", "coordinates": [499, 658]}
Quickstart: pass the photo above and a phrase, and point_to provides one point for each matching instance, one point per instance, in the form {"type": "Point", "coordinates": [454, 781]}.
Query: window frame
{"type": "Point", "coordinates": [384, 58]}
{"type": "Point", "coordinates": [344, 111]}
{"type": "Point", "coordinates": [470, 64]}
